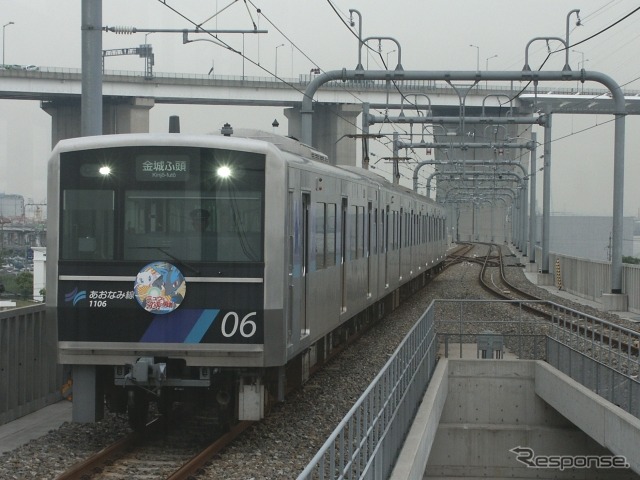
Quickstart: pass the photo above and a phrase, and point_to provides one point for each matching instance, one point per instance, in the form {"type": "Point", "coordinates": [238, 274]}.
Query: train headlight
{"type": "Point", "coordinates": [223, 172]}
{"type": "Point", "coordinates": [92, 170]}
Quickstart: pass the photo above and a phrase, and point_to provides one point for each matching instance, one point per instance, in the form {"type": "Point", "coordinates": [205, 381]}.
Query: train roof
{"type": "Point", "coordinates": [286, 144]}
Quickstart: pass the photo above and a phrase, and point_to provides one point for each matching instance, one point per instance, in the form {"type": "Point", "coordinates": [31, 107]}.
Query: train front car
{"type": "Point", "coordinates": [156, 256]}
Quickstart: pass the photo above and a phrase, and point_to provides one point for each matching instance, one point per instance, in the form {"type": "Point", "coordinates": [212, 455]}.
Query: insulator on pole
{"type": "Point", "coordinates": [122, 29]}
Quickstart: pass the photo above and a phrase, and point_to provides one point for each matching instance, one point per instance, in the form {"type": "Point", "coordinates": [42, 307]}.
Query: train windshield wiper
{"type": "Point", "coordinates": [172, 257]}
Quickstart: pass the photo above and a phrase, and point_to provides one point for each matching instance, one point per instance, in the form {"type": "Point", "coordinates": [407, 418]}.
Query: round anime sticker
{"type": "Point", "coordinates": [160, 287]}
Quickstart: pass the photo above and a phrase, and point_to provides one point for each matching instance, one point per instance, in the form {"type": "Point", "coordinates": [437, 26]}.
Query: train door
{"type": "Point", "coordinates": [369, 229]}
{"type": "Point", "coordinates": [412, 241]}
{"type": "Point", "coordinates": [385, 242]}
{"type": "Point", "coordinates": [401, 237]}
{"type": "Point", "coordinates": [291, 284]}
{"type": "Point", "coordinates": [343, 253]}
{"type": "Point", "coordinates": [304, 320]}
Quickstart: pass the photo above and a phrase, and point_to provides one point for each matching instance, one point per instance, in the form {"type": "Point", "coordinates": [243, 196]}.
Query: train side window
{"type": "Point", "coordinates": [359, 232]}
{"type": "Point", "coordinates": [88, 225]}
{"type": "Point", "coordinates": [374, 231]}
{"type": "Point", "coordinates": [325, 235]}
{"type": "Point", "coordinates": [353, 233]}
{"type": "Point", "coordinates": [330, 235]}
{"type": "Point", "coordinates": [385, 230]}
{"type": "Point", "coordinates": [394, 243]}
{"type": "Point", "coordinates": [320, 235]}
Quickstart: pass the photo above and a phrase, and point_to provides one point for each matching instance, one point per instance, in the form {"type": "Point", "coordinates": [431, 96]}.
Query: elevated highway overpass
{"type": "Point", "coordinates": [51, 83]}
{"type": "Point", "coordinates": [129, 95]}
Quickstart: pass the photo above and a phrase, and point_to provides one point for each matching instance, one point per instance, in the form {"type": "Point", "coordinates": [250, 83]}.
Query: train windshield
{"type": "Point", "coordinates": [174, 203]}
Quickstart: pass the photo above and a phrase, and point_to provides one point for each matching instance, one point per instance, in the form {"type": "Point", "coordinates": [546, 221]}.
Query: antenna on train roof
{"type": "Point", "coordinates": [174, 124]}
{"type": "Point", "coordinates": [226, 130]}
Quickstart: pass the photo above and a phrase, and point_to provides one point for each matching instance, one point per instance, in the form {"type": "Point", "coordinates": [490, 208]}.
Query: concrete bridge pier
{"type": "Point", "coordinates": [332, 122]}
{"type": "Point", "coordinates": [119, 115]}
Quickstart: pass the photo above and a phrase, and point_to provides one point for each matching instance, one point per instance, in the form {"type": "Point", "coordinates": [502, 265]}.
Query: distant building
{"type": "Point", "coordinates": [11, 206]}
{"type": "Point", "coordinates": [39, 273]}
{"type": "Point", "coordinates": [21, 237]}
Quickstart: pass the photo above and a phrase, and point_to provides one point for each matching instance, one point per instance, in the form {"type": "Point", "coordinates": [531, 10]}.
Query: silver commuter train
{"type": "Point", "coordinates": [220, 267]}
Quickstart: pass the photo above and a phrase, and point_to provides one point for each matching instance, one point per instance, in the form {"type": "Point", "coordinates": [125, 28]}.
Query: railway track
{"type": "Point", "coordinates": [612, 344]}
{"type": "Point", "coordinates": [495, 282]}
{"type": "Point", "coordinates": [171, 454]}
{"type": "Point", "coordinates": [594, 334]}
{"type": "Point", "coordinates": [459, 254]}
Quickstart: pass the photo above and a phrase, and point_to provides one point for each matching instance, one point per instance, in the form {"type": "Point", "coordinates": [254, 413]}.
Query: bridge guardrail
{"type": "Point", "coordinates": [368, 440]}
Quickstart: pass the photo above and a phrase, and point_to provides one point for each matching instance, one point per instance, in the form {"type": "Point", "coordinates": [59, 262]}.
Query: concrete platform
{"type": "Point", "coordinates": [34, 425]}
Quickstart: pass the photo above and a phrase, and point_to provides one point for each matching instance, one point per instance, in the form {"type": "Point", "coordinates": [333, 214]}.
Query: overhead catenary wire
{"type": "Point", "coordinates": [395, 127]}
{"type": "Point", "coordinates": [237, 52]}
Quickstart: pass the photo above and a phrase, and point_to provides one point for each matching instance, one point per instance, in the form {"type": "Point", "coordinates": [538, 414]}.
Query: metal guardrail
{"type": "Point", "coordinates": [367, 441]}
{"type": "Point", "coordinates": [457, 324]}
{"type": "Point", "coordinates": [600, 355]}
{"type": "Point", "coordinates": [30, 377]}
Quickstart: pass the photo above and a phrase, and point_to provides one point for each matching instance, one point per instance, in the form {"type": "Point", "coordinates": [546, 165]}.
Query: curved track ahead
{"type": "Point", "coordinates": [615, 337]}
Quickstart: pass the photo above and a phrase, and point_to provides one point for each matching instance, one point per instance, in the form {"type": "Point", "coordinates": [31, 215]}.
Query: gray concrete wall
{"type": "Point", "coordinates": [611, 427]}
{"type": "Point", "coordinates": [413, 457]}
{"type": "Point", "coordinates": [492, 407]}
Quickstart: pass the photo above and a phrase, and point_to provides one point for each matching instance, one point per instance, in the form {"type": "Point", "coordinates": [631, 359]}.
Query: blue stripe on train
{"type": "Point", "coordinates": [180, 326]}
{"type": "Point", "coordinates": [201, 326]}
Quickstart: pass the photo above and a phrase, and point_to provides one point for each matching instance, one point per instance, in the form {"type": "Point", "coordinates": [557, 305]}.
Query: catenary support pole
{"type": "Point", "coordinates": [532, 201]}
{"type": "Point", "coordinates": [546, 196]}
{"type": "Point", "coordinates": [91, 98]}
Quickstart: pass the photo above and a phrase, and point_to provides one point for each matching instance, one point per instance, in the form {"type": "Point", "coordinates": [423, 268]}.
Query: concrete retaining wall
{"type": "Point", "coordinates": [492, 407]}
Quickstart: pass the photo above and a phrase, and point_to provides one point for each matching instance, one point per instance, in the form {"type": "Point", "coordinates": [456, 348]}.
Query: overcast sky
{"type": "Point", "coordinates": [434, 35]}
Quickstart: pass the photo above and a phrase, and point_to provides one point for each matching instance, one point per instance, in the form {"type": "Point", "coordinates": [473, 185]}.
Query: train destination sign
{"type": "Point", "coordinates": [162, 168]}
